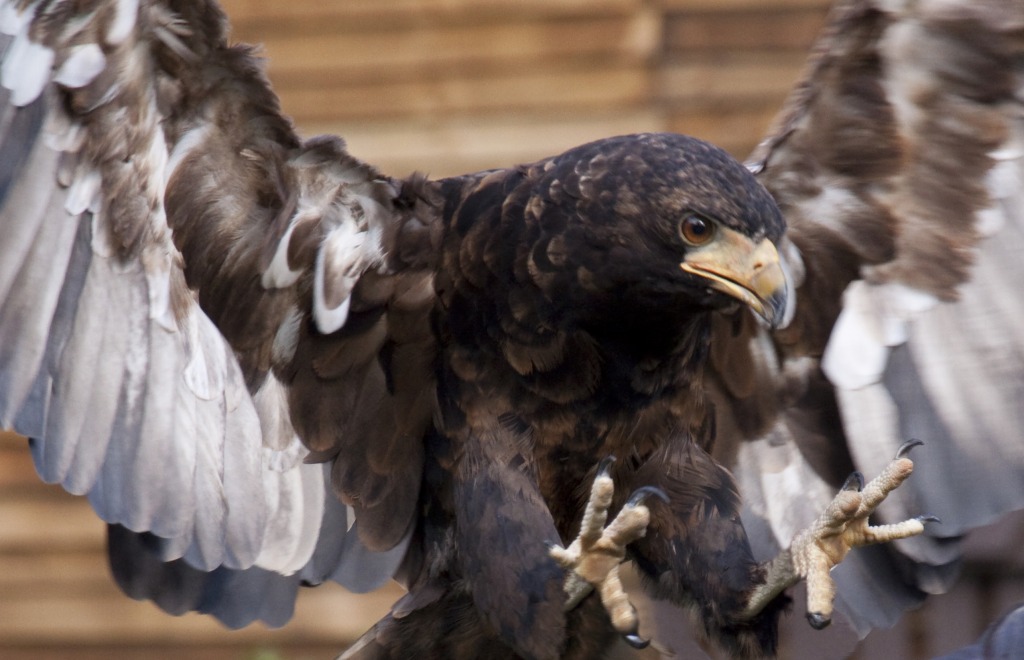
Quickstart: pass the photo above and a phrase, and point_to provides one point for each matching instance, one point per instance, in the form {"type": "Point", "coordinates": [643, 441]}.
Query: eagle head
{"type": "Point", "coordinates": [664, 218]}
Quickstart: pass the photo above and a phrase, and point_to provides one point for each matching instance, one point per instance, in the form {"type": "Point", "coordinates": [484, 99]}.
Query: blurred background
{"type": "Point", "coordinates": [443, 87]}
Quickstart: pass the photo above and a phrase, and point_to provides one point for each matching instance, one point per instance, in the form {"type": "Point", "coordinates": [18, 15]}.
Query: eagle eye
{"type": "Point", "coordinates": [696, 231]}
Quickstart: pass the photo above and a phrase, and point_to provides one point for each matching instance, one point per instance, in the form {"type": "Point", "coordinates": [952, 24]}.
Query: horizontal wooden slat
{"type": "Point", "coordinates": [729, 79]}
{"type": "Point", "coordinates": [402, 13]}
{"type": "Point", "coordinates": [736, 127]}
{"type": "Point", "coordinates": [773, 29]}
{"type": "Point", "coordinates": [61, 522]}
{"type": "Point", "coordinates": [446, 146]}
{"type": "Point", "coordinates": [106, 616]}
{"type": "Point", "coordinates": [10, 439]}
{"type": "Point", "coordinates": [260, 650]}
{"type": "Point", "coordinates": [752, 7]}
{"type": "Point", "coordinates": [440, 50]}
{"type": "Point", "coordinates": [561, 89]}
{"type": "Point", "coordinates": [16, 471]}
{"type": "Point", "coordinates": [52, 572]}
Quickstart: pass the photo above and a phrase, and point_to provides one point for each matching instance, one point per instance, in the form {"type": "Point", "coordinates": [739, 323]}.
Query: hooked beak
{"type": "Point", "coordinates": [751, 273]}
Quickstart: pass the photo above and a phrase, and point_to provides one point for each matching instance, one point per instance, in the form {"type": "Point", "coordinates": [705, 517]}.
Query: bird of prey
{"type": "Point", "coordinates": [268, 364]}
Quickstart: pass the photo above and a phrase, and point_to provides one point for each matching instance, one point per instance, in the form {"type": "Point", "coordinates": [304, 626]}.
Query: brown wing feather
{"type": "Point", "coordinates": [196, 199]}
{"type": "Point", "coordinates": [881, 163]}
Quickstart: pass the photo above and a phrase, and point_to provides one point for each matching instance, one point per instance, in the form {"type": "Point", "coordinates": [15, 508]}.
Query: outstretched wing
{"type": "Point", "coordinates": [187, 291]}
{"type": "Point", "coordinates": [898, 165]}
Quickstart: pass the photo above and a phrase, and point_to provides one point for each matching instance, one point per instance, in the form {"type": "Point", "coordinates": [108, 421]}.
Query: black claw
{"type": "Point", "coordinates": [640, 494]}
{"type": "Point", "coordinates": [929, 519]}
{"type": "Point", "coordinates": [605, 465]}
{"type": "Point", "coordinates": [636, 641]}
{"type": "Point", "coordinates": [551, 544]}
{"type": "Point", "coordinates": [818, 621]}
{"type": "Point", "coordinates": [854, 482]}
{"type": "Point", "coordinates": [907, 446]}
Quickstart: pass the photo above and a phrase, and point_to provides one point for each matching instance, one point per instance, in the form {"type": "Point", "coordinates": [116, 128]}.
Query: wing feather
{"type": "Point", "coordinates": [192, 300]}
{"type": "Point", "coordinates": [882, 161]}
{"type": "Point", "coordinates": [31, 296]}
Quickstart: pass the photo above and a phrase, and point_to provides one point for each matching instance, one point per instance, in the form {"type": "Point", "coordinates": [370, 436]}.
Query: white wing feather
{"type": "Point", "coordinates": [131, 393]}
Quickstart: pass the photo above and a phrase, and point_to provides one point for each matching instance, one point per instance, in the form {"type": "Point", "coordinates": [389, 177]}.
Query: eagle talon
{"type": "Point", "coordinates": [854, 482]}
{"type": "Point", "coordinates": [636, 641]}
{"type": "Point", "coordinates": [815, 551]}
{"type": "Point", "coordinates": [905, 448]}
{"type": "Point", "coordinates": [593, 558]}
{"type": "Point", "coordinates": [818, 621]}
{"type": "Point", "coordinates": [641, 494]}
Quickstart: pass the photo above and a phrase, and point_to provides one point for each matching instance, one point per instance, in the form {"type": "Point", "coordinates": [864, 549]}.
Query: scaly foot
{"type": "Point", "coordinates": [593, 559]}
{"type": "Point", "coordinates": [815, 551]}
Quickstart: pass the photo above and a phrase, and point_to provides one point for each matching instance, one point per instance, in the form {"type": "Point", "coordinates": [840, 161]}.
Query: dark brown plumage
{"type": "Point", "coordinates": [268, 364]}
{"type": "Point", "coordinates": [569, 333]}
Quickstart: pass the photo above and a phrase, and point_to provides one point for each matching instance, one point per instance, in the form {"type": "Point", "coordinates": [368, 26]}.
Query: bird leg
{"type": "Point", "coordinates": [593, 559]}
{"type": "Point", "coordinates": [843, 526]}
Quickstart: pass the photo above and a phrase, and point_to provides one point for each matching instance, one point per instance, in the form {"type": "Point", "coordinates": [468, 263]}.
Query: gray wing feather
{"type": "Point", "coordinates": [149, 371]}
{"type": "Point", "coordinates": [240, 597]}
{"type": "Point", "coordinates": [957, 383]}
{"type": "Point", "coordinates": [906, 125]}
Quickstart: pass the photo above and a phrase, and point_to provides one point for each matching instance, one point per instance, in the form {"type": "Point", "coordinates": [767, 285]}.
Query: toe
{"type": "Point", "coordinates": [821, 590]}
{"type": "Point", "coordinates": [894, 474]}
{"type": "Point", "coordinates": [562, 556]}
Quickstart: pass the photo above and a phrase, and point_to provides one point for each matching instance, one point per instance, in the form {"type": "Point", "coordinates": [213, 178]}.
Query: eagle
{"type": "Point", "coordinates": [268, 364]}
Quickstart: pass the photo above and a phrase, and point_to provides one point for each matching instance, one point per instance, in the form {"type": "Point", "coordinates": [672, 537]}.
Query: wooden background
{"type": "Point", "coordinates": [448, 86]}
